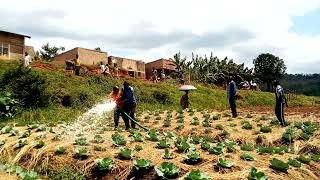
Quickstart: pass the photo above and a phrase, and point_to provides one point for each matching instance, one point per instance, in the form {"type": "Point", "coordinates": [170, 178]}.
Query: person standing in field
{"type": "Point", "coordinates": [26, 60]}
{"type": "Point", "coordinates": [102, 67]}
{"type": "Point", "coordinates": [129, 103]}
{"type": "Point", "coordinates": [231, 95]}
{"type": "Point", "coordinates": [162, 76]}
{"type": "Point", "coordinates": [115, 95]}
{"type": "Point", "coordinates": [77, 64]}
{"type": "Point", "coordinates": [280, 102]}
{"type": "Point", "coordinates": [154, 75]}
{"type": "Point", "coordinates": [184, 101]}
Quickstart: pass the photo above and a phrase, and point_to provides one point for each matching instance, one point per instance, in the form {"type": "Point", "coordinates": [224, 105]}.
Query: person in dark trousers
{"type": "Point", "coordinates": [184, 101]}
{"type": "Point", "coordinates": [231, 95]}
{"type": "Point", "coordinates": [77, 65]}
{"type": "Point", "coordinates": [129, 102]}
{"type": "Point", "coordinates": [115, 95]}
{"type": "Point", "coordinates": [280, 102]}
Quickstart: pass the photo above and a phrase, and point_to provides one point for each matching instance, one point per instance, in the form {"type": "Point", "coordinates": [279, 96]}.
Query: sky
{"type": "Point", "coordinates": [148, 30]}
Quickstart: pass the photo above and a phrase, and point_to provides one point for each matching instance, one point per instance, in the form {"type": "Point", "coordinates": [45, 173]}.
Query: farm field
{"type": "Point", "coordinates": [177, 143]}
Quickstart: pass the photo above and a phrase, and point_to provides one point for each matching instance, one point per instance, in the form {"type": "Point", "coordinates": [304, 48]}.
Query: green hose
{"type": "Point", "coordinates": [146, 129]}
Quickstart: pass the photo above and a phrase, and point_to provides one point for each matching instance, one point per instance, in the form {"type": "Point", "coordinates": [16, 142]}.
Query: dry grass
{"type": "Point", "coordinates": [44, 159]}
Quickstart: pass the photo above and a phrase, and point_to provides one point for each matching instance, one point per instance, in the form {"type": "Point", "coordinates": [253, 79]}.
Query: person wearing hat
{"type": "Point", "coordinates": [184, 101]}
{"type": "Point", "coordinates": [115, 95]}
{"type": "Point", "coordinates": [280, 102]}
{"type": "Point", "coordinates": [129, 103]}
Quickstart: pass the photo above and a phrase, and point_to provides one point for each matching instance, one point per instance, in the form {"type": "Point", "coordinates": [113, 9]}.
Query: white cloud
{"type": "Point", "coordinates": [149, 30]}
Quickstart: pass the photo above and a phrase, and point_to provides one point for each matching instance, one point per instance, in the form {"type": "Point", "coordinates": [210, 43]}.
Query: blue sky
{"type": "Point", "coordinates": [308, 24]}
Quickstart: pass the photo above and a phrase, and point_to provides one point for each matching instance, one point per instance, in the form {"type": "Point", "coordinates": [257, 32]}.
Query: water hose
{"type": "Point", "coordinates": [146, 129]}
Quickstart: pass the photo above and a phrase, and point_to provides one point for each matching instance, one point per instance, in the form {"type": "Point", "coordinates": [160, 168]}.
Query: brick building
{"type": "Point", "coordinates": [86, 56]}
{"type": "Point", "coordinates": [131, 67]}
{"type": "Point", "coordinates": [165, 65]}
{"type": "Point", "coordinates": [12, 45]}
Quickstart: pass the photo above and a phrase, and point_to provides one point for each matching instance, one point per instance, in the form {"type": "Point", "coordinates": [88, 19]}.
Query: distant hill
{"type": "Point", "coordinates": [303, 84]}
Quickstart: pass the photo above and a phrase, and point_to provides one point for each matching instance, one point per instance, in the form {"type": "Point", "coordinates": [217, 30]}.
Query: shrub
{"type": "Point", "coordinates": [27, 86]}
{"type": "Point", "coordinates": [8, 105]}
{"type": "Point", "coordinates": [162, 97]}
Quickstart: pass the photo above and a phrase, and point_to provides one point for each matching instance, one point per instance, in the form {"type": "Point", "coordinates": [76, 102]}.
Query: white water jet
{"type": "Point", "coordinates": [90, 120]}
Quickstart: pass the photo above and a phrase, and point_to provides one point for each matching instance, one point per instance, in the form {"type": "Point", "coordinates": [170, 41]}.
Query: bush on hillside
{"type": "Point", "coordinates": [8, 105]}
{"type": "Point", "coordinates": [27, 86]}
{"type": "Point", "coordinates": [162, 97]}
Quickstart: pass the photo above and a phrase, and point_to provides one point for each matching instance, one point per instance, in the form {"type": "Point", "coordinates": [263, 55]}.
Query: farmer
{"type": "Point", "coordinates": [231, 95]}
{"type": "Point", "coordinates": [26, 60]}
{"type": "Point", "coordinates": [162, 76]}
{"type": "Point", "coordinates": [129, 103]}
{"type": "Point", "coordinates": [77, 64]}
{"type": "Point", "coordinates": [102, 67]}
{"type": "Point", "coordinates": [154, 75]}
{"type": "Point", "coordinates": [280, 102]}
{"type": "Point", "coordinates": [116, 96]}
{"type": "Point", "coordinates": [184, 101]}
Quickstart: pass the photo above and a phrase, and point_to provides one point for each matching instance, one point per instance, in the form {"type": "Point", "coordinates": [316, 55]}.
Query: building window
{"type": "Point", "coordinates": [4, 49]}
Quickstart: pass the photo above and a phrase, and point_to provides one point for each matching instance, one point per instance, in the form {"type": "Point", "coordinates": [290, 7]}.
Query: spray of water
{"type": "Point", "coordinates": [90, 120]}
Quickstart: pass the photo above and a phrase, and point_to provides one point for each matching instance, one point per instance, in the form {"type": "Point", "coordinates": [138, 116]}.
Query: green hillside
{"type": "Point", "coordinates": [68, 97]}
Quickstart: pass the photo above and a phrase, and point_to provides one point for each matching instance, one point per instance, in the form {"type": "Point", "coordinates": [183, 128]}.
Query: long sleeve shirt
{"type": "Point", "coordinates": [280, 95]}
{"type": "Point", "coordinates": [231, 90]}
{"type": "Point", "coordinates": [128, 95]}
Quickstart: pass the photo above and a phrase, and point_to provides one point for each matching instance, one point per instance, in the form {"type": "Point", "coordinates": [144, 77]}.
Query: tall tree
{"type": "Point", "coordinates": [268, 67]}
{"type": "Point", "coordinates": [47, 53]}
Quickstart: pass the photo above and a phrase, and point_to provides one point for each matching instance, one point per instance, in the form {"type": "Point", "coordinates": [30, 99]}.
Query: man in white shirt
{"type": "Point", "coordinates": [102, 67]}
{"type": "Point", "coordinates": [26, 60]}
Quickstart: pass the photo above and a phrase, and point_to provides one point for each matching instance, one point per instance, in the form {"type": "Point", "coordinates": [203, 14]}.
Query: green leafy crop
{"type": "Point", "coordinates": [105, 164]}
{"type": "Point", "coordinates": [167, 170]}
{"type": "Point", "coordinates": [82, 141]}
{"type": "Point", "coordinates": [163, 144]}
{"type": "Point", "coordinates": [118, 139]}
{"type": "Point", "coordinates": [247, 157]}
{"type": "Point", "coordinates": [81, 153]}
{"type": "Point", "coordinates": [224, 163]}
{"type": "Point", "coordinates": [197, 175]}
{"type": "Point", "coordinates": [294, 162]}
{"type": "Point", "coordinates": [256, 175]}
{"type": "Point", "coordinates": [142, 164]}
{"type": "Point", "coordinates": [265, 129]}
{"type": "Point", "coordinates": [125, 154]}
{"type": "Point", "coordinates": [279, 165]}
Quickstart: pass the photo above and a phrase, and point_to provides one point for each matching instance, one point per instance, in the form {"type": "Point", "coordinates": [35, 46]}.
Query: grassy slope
{"type": "Point", "coordinates": [93, 89]}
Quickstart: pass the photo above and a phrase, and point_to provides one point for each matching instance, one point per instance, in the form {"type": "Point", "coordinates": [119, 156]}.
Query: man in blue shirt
{"type": "Point", "coordinates": [231, 95]}
{"type": "Point", "coordinates": [129, 103]}
{"type": "Point", "coordinates": [280, 102]}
